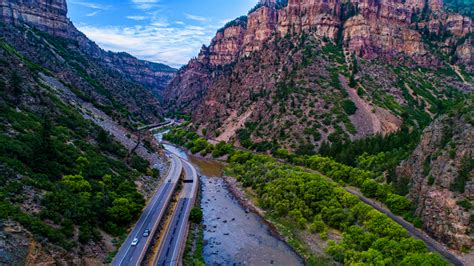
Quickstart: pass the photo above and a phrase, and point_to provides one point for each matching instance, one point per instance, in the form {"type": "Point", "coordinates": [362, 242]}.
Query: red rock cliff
{"type": "Point", "coordinates": [368, 28]}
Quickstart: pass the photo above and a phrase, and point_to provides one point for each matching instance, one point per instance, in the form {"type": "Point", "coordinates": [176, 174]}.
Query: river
{"type": "Point", "coordinates": [232, 235]}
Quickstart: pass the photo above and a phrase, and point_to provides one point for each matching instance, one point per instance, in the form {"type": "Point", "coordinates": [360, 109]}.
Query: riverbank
{"type": "Point", "coordinates": [232, 234]}
{"type": "Point", "coordinates": [309, 248]}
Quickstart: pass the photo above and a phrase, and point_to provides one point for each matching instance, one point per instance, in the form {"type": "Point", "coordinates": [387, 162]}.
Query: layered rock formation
{"type": "Point", "coordinates": [225, 47]}
{"type": "Point", "coordinates": [367, 28]}
{"type": "Point", "coordinates": [260, 26]}
{"type": "Point", "coordinates": [318, 17]}
{"type": "Point", "coordinates": [442, 178]}
{"type": "Point", "coordinates": [50, 16]}
{"type": "Point", "coordinates": [281, 41]}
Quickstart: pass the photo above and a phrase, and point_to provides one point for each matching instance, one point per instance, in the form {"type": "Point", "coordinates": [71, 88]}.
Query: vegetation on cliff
{"type": "Point", "coordinates": [61, 177]}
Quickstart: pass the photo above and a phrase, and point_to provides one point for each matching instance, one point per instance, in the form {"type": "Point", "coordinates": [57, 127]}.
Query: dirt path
{"type": "Point", "coordinates": [458, 72]}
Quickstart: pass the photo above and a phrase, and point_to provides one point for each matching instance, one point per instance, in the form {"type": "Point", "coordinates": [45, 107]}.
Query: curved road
{"type": "Point", "coordinates": [171, 248]}
{"type": "Point", "coordinates": [432, 244]}
{"type": "Point", "coordinates": [150, 219]}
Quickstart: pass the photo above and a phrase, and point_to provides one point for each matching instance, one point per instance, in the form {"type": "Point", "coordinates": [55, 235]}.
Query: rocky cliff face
{"type": "Point", "coordinates": [261, 25]}
{"type": "Point", "coordinates": [255, 68]}
{"type": "Point", "coordinates": [225, 47]}
{"type": "Point", "coordinates": [442, 178]}
{"type": "Point", "coordinates": [368, 28]}
{"type": "Point", "coordinates": [50, 16]}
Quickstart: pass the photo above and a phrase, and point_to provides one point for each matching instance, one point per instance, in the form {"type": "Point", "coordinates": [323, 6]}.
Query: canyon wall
{"type": "Point", "coordinates": [50, 16]}
{"type": "Point", "coordinates": [46, 15]}
{"type": "Point", "coordinates": [368, 28]}
{"type": "Point", "coordinates": [441, 177]}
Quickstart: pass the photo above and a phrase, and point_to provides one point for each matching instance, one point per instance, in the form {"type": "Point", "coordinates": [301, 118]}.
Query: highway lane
{"type": "Point", "coordinates": [150, 219]}
{"type": "Point", "coordinates": [170, 250]}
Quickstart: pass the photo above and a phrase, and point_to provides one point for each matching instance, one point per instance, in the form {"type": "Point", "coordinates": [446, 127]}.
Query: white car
{"type": "Point", "coordinates": [135, 242]}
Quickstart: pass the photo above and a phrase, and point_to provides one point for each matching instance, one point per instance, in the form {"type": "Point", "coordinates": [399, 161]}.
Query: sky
{"type": "Point", "coordinates": [164, 31]}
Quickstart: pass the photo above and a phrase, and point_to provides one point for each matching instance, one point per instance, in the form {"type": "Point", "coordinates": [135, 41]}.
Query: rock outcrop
{"type": "Point", "coordinates": [226, 46]}
{"type": "Point", "coordinates": [50, 16]}
{"type": "Point", "coordinates": [371, 29]}
{"type": "Point", "coordinates": [47, 15]}
{"type": "Point", "coordinates": [391, 31]}
{"type": "Point", "coordinates": [260, 26]}
{"type": "Point", "coordinates": [318, 17]}
{"type": "Point", "coordinates": [442, 178]}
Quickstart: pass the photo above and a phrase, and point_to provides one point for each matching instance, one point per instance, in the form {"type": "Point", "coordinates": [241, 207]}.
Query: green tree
{"type": "Point", "coordinates": [369, 188]}
{"type": "Point", "coordinates": [199, 145]}
{"type": "Point", "coordinates": [349, 107]}
{"type": "Point", "coordinates": [120, 211]}
{"type": "Point", "coordinates": [398, 204]}
{"type": "Point", "coordinates": [76, 183]}
{"type": "Point", "coordinates": [82, 164]}
{"type": "Point", "coordinates": [423, 260]}
{"type": "Point", "coordinates": [196, 215]}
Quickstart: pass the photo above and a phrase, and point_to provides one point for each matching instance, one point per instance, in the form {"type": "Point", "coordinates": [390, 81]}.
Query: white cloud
{"type": "Point", "coordinates": [93, 13]}
{"type": "Point", "coordinates": [137, 17]}
{"type": "Point", "coordinates": [156, 42]}
{"type": "Point", "coordinates": [196, 18]}
{"type": "Point", "coordinates": [146, 4]}
{"type": "Point", "coordinates": [91, 5]}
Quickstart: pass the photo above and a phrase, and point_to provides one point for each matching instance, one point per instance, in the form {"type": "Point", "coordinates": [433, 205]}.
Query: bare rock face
{"type": "Point", "coordinates": [369, 40]}
{"type": "Point", "coordinates": [195, 77]}
{"type": "Point", "coordinates": [50, 16]}
{"type": "Point", "coordinates": [465, 52]}
{"type": "Point", "coordinates": [46, 15]}
{"type": "Point", "coordinates": [260, 26]}
{"type": "Point", "coordinates": [319, 17]}
{"type": "Point", "coordinates": [225, 47]}
{"type": "Point", "coordinates": [368, 28]}
{"type": "Point", "coordinates": [459, 25]}
{"type": "Point", "coordinates": [436, 167]}
{"type": "Point", "coordinates": [434, 5]}
{"type": "Point", "coordinates": [383, 29]}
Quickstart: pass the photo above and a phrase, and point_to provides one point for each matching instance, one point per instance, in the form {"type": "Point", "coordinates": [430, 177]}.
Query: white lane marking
{"type": "Point", "coordinates": [154, 203]}
{"type": "Point", "coordinates": [167, 200]}
{"type": "Point", "coordinates": [183, 222]}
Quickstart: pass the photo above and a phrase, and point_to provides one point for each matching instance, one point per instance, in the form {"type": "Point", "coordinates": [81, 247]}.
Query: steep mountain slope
{"type": "Point", "coordinates": [299, 73]}
{"type": "Point", "coordinates": [51, 17]}
{"type": "Point", "coordinates": [68, 190]}
{"type": "Point", "coordinates": [441, 174]}
{"type": "Point", "coordinates": [66, 187]}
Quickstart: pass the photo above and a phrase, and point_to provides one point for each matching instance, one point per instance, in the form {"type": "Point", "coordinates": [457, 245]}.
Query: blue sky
{"type": "Point", "coordinates": [166, 31]}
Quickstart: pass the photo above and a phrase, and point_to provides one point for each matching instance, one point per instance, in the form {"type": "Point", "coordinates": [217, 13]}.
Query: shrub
{"type": "Point", "coordinates": [369, 188]}
{"type": "Point", "coordinates": [398, 204]}
{"type": "Point", "coordinates": [196, 215]}
{"type": "Point", "coordinates": [349, 107]}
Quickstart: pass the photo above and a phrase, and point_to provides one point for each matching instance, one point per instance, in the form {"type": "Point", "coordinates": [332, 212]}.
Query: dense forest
{"type": "Point", "coordinates": [317, 204]}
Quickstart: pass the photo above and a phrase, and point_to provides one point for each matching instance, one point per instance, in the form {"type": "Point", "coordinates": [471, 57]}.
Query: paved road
{"type": "Point", "coordinates": [170, 250]}
{"type": "Point", "coordinates": [432, 244]}
{"type": "Point", "coordinates": [150, 219]}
